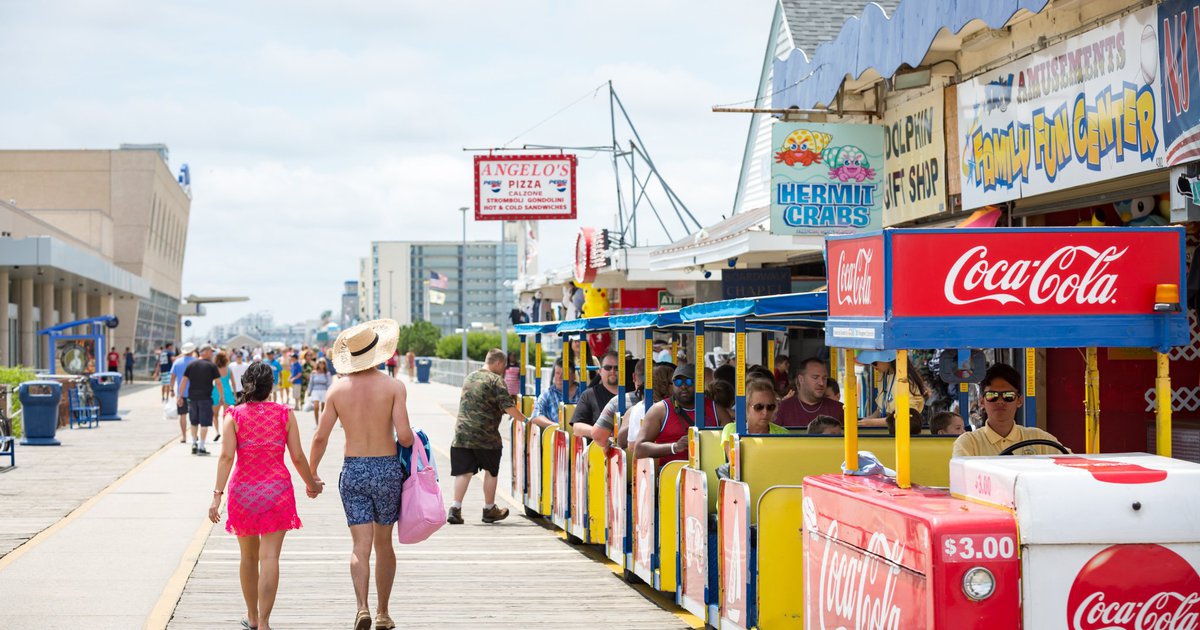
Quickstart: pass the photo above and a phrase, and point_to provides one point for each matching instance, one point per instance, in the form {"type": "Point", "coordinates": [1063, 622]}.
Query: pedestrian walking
{"type": "Point", "coordinates": [391, 364]}
{"type": "Point", "coordinates": [128, 365]}
{"type": "Point", "coordinates": [262, 502]}
{"type": "Point", "coordinates": [374, 417]}
{"type": "Point", "coordinates": [277, 370]}
{"type": "Point", "coordinates": [237, 370]}
{"type": "Point", "coordinates": [179, 389]}
{"type": "Point", "coordinates": [477, 444]}
{"type": "Point", "coordinates": [297, 372]}
{"type": "Point", "coordinates": [222, 398]}
{"type": "Point", "coordinates": [318, 386]}
{"type": "Point", "coordinates": [199, 379]}
{"type": "Point", "coordinates": [113, 360]}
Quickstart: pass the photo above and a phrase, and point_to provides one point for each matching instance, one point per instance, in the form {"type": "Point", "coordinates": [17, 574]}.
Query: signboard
{"type": "Point", "coordinates": [668, 302]}
{"type": "Point", "coordinates": [1179, 48]}
{"type": "Point", "coordinates": [534, 468]}
{"type": "Point", "coordinates": [827, 178]}
{"type": "Point", "coordinates": [1081, 111]}
{"type": "Point", "coordinates": [856, 280]}
{"type": "Point", "coordinates": [519, 460]}
{"type": "Point", "coordinates": [693, 547]}
{"type": "Point", "coordinates": [915, 161]}
{"type": "Point", "coordinates": [1031, 272]}
{"type": "Point", "coordinates": [643, 518]}
{"type": "Point", "coordinates": [524, 187]}
{"type": "Point", "coordinates": [616, 518]}
{"type": "Point", "coordinates": [560, 479]}
{"type": "Point", "coordinates": [585, 256]}
{"type": "Point", "coordinates": [579, 495]}
{"type": "Point", "coordinates": [750, 283]}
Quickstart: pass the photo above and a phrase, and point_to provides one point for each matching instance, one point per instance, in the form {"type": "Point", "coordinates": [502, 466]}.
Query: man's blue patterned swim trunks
{"type": "Point", "coordinates": [370, 489]}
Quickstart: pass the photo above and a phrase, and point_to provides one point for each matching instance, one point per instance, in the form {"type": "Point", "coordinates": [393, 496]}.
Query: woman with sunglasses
{"type": "Point", "coordinates": [1001, 399]}
{"type": "Point", "coordinates": [761, 403]}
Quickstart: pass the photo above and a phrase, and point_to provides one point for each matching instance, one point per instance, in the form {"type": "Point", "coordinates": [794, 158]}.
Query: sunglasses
{"type": "Point", "coordinates": [684, 381]}
{"type": "Point", "coordinates": [760, 407]}
{"type": "Point", "coordinates": [994, 396]}
{"type": "Point", "coordinates": [608, 368]}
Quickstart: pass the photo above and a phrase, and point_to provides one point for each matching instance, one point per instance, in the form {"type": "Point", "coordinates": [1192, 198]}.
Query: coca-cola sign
{"type": "Point", "coordinates": [856, 280]}
{"type": "Point", "coordinates": [1135, 587]}
{"type": "Point", "coordinates": [1031, 272]}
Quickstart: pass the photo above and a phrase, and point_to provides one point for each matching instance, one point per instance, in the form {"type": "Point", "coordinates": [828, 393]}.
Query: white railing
{"type": "Point", "coordinates": [452, 371]}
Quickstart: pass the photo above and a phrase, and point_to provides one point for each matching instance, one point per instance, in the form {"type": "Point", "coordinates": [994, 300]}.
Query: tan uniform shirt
{"type": "Point", "coordinates": [987, 442]}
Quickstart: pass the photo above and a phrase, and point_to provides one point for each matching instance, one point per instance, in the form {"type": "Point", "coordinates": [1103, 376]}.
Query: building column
{"type": "Point", "coordinates": [5, 351]}
{"type": "Point", "coordinates": [25, 321]}
{"type": "Point", "coordinates": [66, 306]}
{"type": "Point", "coordinates": [49, 317]}
{"type": "Point", "coordinates": [81, 304]}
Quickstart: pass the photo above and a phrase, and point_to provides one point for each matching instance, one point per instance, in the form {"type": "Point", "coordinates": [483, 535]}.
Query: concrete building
{"type": "Point", "coordinates": [393, 282]}
{"type": "Point", "coordinates": [350, 307]}
{"type": "Point", "coordinates": [87, 233]}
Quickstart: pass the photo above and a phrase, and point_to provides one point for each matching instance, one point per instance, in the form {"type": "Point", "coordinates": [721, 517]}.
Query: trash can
{"type": "Point", "coordinates": [423, 368]}
{"type": "Point", "coordinates": [39, 412]}
{"type": "Point", "coordinates": [105, 387]}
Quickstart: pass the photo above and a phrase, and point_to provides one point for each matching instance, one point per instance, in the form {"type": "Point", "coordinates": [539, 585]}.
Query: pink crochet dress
{"type": "Point", "coordinates": [261, 498]}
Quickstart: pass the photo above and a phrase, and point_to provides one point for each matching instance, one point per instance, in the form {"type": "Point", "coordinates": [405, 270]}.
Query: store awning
{"type": "Point", "coordinates": [745, 236]}
{"type": "Point", "coordinates": [875, 42]}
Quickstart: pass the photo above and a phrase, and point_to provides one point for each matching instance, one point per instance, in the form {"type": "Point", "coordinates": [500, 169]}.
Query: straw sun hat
{"type": "Point", "coordinates": [365, 346]}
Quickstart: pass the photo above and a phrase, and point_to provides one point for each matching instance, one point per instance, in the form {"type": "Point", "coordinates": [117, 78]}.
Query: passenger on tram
{"type": "Point", "coordinates": [1001, 399]}
{"type": "Point", "coordinates": [782, 376]}
{"type": "Point", "coordinates": [946, 423]}
{"type": "Point", "coordinates": [914, 422]}
{"type": "Point", "coordinates": [809, 401]}
{"type": "Point", "coordinates": [726, 373]}
{"type": "Point", "coordinates": [545, 409]}
{"type": "Point", "coordinates": [758, 371]}
{"type": "Point", "coordinates": [632, 422]}
{"type": "Point", "coordinates": [884, 362]}
{"type": "Point", "coordinates": [605, 424]}
{"type": "Point", "coordinates": [825, 425]}
{"type": "Point", "coordinates": [593, 399]}
{"type": "Point", "coordinates": [664, 431]}
{"type": "Point", "coordinates": [761, 404]}
{"type": "Point", "coordinates": [833, 391]}
{"type": "Point", "coordinates": [722, 396]}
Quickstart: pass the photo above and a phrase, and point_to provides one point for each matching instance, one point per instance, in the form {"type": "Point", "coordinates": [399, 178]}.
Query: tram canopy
{"type": "Point", "coordinates": [537, 328]}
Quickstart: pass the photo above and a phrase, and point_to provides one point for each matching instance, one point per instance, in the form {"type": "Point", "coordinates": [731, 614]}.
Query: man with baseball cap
{"type": "Point", "coordinates": [200, 377]}
{"type": "Point", "coordinates": [181, 393]}
{"type": "Point", "coordinates": [372, 408]}
{"type": "Point", "coordinates": [665, 429]}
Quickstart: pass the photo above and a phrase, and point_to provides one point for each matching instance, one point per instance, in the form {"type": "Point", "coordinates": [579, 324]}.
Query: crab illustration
{"type": "Point", "coordinates": [847, 163]}
{"type": "Point", "coordinates": [802, 147]}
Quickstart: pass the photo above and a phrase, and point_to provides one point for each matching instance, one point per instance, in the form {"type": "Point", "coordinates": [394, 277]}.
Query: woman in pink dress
{"type": "Point", "coordinates": [262, 503]}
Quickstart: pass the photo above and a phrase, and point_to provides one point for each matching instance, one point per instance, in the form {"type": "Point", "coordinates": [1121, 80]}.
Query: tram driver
{"type": "Point", "coordinates": [1001, 399]}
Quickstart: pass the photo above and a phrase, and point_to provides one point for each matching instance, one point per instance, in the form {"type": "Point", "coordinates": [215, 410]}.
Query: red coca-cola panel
{"type": "Point", "coordinates": [1135, 587]}
{"type": "Point", "coordinates": [1077, 272]}
{"type": "Point", "coordinates": [856, 280]}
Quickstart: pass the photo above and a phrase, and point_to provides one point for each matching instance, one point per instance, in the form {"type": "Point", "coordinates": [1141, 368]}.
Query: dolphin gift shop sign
{"type": "Point", "coordinates": [826, 178]}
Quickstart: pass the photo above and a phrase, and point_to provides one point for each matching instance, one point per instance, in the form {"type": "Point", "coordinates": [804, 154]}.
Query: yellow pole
{"type": "Point", "coordinates": [833, 372]}
{"type": "Point", "coordinates": [675, 350]}
{"type": "Point", "coordinates": [903, 457]}
{"type": "Point", "coordinates": [769, 339]}
{"type": "Point", "coordinates": [1163, 386]}
{"type": "Point", "coordinates": [584, 361]}
{"type": "Point", "coordinates": [524, 361]}
{"type": "Point", "coordinates": [1091, 399]}
{"type": "Point", "coordinates": [850, 413]}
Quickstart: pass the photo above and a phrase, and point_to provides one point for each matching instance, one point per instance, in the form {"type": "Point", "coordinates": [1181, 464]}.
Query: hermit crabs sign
{"type": "Point", "coordinates": [826, 178]}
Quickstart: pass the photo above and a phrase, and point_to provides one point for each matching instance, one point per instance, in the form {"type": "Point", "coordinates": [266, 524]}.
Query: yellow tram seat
{"type": "Point", "coordinates": [668, 524]}
{"type": "Point", "coordinates": [565, 411]}
{"type": "Point", "coordinates": [712, 455]}
{"type": "Point", "coordinates": [527, 403]}
{"type": "Point", "coordinates": [547, 472]}
{"type": "Point", "coordinates": [596, 485]}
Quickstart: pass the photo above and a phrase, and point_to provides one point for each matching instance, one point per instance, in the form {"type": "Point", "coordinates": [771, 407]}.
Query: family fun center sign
{"type": "Point", "coordinates": [524, 187]}
{"type": "Point", "coordinates": [826, 178]}
{"type": "Point", "coordinates": [1081, 111]}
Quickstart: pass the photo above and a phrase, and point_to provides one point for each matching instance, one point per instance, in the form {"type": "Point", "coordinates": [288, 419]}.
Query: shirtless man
{"type": "Point", "coordinates": [371, 407]}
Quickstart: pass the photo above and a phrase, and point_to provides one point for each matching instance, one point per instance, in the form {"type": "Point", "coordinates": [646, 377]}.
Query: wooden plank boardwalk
{"type": "Point", "coordinates": [51, 481]}
{"type": "Point", "coordinates": [513, 574]}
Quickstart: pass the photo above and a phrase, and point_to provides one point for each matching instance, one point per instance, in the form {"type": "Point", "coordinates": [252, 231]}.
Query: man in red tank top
{"type": "Point", "coordinates": [665, 428]}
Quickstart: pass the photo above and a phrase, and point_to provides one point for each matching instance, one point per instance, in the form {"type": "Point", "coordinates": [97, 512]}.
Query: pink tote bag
{"type": "Point", "coordinates": [422, 511]}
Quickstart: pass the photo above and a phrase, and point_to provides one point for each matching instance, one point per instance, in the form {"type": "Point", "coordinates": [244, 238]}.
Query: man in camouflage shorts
{"type": "Point", "coordinates": [477, 444]}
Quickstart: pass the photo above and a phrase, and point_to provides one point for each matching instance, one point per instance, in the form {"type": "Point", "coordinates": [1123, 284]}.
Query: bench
{"type": "Point", "coordinates": [83, 413]}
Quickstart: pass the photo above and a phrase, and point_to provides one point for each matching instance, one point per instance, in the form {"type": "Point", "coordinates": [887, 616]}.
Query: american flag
{"type": "Point", "coordinates": [438, 281]}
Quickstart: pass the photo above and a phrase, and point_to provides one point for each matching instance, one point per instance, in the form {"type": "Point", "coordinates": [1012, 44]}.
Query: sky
{"type": "Point", "coordinates": [312, 128]}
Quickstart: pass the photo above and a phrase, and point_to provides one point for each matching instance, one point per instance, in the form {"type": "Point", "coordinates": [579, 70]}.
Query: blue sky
{"type": "Point", "coordinates": [312, 128]}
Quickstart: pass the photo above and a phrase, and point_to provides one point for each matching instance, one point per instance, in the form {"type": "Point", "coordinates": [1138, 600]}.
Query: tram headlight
{"type": "Point", "coordinates": [978, 584]}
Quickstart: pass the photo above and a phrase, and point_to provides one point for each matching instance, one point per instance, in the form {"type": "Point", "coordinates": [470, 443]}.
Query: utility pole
{"type": "Point", "coordinates": [503, 302]}
{"type": "Point", "coordinates": [462, 284]}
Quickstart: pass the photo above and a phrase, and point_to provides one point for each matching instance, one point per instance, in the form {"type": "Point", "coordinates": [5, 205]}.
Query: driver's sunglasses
{"type": "Point", "coordinates": [608, 368]}
{"type": "Point", "coordinates": [761, 406]}
{"type": "Point", "coordinates": [684, 381]}
{"type": "Point", "coordinates": [994, 396]}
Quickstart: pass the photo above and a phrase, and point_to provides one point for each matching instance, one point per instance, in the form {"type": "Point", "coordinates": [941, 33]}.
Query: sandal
{"type": "Point", "coordinates": [246, 624]}
{"type": "Point", "coordinates": [384, 622]}
{"type": "Point", "coordinates": [363, 620]}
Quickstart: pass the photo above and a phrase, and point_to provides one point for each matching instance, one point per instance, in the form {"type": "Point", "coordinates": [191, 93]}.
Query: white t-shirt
{"type": "Point", "coordinates": [635, 421]}
{"type": "Point", "coordinates": [236, 370]}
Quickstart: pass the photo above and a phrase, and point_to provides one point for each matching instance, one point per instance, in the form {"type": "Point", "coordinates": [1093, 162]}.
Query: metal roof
{"type": "Point", "coordinates": [814, 22]}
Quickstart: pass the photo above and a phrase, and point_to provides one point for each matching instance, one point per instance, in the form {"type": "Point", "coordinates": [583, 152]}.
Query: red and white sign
{"type": "Point", "coordinates": [524, 187]}
{"type": "Point", "coordinates": [1030, 272]}
{"type": "Point", "coordinates": [561, 477]}
{"type": "Point", "coordinates": [735, 554]}
{"type": "Point", "coordinates": [615, 514]}
{"type": "Point", "coordinates": [693, 548]}
{"type": "Point", "coordinates": [643, 518]}
{"type": "Point", "coordinates": [579, 495]}
{"type": "Point", "coordinates": [534, 448]}
{"type": "Point", "coordinates": [518, 461]}
{"type": "Point", "coordinates": [856, 280]}
{"type": "Point", "coordinates": [1135, 587]}
{"type": "Point", "coordinates": [585, 250]}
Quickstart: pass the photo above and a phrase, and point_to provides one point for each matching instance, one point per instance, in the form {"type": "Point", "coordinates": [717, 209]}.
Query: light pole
{"type": "Point", "coordinates": [503, 301]}
{"type": "Point", "coordinates": [391, 304]}
{"type": "Point", "coordinates": [462, 285]}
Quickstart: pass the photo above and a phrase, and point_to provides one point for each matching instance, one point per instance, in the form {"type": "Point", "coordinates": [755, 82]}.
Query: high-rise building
{"type": "Point", "coordinates": [350, 315]}
{"type": "Point", "coordinates": [89, 233]}
{"type": "Point", "coordinates": [395, 282]}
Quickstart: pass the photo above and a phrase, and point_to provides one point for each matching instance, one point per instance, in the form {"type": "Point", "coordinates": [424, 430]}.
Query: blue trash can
{"type": "Point", "coordinates": [39, 412]}
{"type": "Point", "coordinates": [424, 366]}
{"type": "Point", "coordinates": [106, 386]}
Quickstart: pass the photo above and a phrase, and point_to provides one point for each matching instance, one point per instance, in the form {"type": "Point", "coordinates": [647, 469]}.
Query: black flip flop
{"type": "Point", "coordinates": [246, 624]}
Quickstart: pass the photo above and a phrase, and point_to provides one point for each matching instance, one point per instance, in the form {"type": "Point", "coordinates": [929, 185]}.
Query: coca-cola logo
{"type": "Point", "coordinates": [1135, 587]}
{"type": "Point", "coordinates": [1071, 274]}
{"type": "Point", "coordinates": [854, 278]}
{"type": "Point", "coordinates": [856, 589]}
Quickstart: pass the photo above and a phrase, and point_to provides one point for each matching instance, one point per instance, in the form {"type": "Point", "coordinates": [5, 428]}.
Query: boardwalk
{"type": "Point", "coordinates": [514, 574]}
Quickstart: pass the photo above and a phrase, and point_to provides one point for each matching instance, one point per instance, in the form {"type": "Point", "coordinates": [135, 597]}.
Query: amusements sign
{"type": "Point", "coordinates": [524, 187]}
{"type": "Point", "coordinates": [826, 178]}
{"type": "Point", "coordinates": [1081, 111]}
{"type": "Point", "coordinates": [915, 177]}
{"type": "Point", "coordinates": [1179, 45]}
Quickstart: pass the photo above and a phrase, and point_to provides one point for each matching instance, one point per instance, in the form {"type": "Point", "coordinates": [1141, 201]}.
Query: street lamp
{"type": "Point", "coordinates": [462, 285]}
